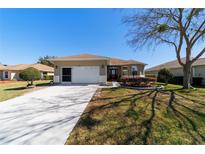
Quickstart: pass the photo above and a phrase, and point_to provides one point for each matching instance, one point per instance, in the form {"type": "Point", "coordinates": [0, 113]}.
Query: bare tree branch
{"type": "Point", "coordinates": [198, 56]}
{"type": "Point", "coordinates": [179, 49]}
{"type": "Point", "coordinates": [189, 18]}
{"type": "Point", "coordinates": [181, 28]}
{"type": "Point", "coordinates": [198, 31]}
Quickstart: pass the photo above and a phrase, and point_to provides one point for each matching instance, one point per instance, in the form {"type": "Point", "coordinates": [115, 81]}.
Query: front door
{"type": "Point", "coordinates": [113, 74]}
{"type": "Point", "coordinates": [66, 74]}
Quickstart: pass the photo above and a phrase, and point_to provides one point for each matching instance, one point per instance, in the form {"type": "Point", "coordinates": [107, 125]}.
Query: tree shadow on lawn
{"type": "Point", "coordinates": [17, 88]}
{"type": "Point", "coordinates": [189, 124]}
{"type": "Point", "coordinates": [174, 101]}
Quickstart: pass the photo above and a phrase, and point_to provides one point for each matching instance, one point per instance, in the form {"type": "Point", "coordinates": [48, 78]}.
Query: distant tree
{"type": "Point", "coordinates": [175, 27]}
{"type": "Point", "coordinates": [44, 60]}
{"type": "Point", "coordinates": [165, 75]}
{"type": "Point", "coordinates": [30, 75]}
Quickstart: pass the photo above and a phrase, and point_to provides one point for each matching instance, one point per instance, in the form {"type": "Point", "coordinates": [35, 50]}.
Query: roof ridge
{"type": "Point", "coordinates": [84, 54]}
{"type": "Point", "coordinates": [175, 64]}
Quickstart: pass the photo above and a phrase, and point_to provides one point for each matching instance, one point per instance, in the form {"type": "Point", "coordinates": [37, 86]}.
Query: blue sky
{"type": "Point", "coordinates": [27, 34]}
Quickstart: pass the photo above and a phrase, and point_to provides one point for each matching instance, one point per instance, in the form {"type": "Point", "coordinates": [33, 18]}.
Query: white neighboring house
{"type": "Point", "coordinates": [11, 72]}
{"type": "Point", "coordinates": [198, 68]}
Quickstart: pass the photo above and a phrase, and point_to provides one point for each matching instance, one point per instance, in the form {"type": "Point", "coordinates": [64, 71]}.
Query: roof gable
{"type": "Point", "coordinates": [19, 67]}
{"type": "Point", "coordinates": [2, 67]}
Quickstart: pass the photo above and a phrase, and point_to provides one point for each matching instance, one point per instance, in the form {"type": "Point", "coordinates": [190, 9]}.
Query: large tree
{"type": "Point", "coordinates": [44, 60]}
{"type": "Point", "coordinates": [181, 28]}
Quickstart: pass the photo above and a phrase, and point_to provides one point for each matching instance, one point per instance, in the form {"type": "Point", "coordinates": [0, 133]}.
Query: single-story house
{"type": "Point", "coordinates": [198, 68]}
{"type": "Point", "coordinates": [87, 68]}
{"type": "Point", "coordinates": [11, 72]}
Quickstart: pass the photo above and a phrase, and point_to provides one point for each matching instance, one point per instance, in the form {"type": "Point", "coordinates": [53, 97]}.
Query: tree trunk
{"type": "Point", "coordinates": [31, 82]}
{"type": "Point", "coordinates": [187, 76]}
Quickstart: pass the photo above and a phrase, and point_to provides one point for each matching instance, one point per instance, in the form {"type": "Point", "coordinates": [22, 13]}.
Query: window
{"type": "Point", "coordinates": [113, 72]}
{"type": "Point", "coordinates": [6, 75]}
{"type": "Point", "coordinates": [124, 71]}
{"type": "Point", "coordinates": [66, 74]}
{"type": "Point", "coordinates": [134, 70]}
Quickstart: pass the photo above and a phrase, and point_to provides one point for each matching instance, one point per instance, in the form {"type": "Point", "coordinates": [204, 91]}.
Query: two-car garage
{"type": "Point", "coordinates": [83, 68]}
{"type": "Point", "coordinates": [80, 74]}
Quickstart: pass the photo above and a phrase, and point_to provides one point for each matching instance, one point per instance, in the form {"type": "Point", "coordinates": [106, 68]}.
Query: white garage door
{"type": "Point", "coordinates": [85, 74]}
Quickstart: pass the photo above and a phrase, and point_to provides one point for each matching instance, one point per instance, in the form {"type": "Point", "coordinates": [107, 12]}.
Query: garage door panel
{"type": "Point", "coordinates": [85, 74]}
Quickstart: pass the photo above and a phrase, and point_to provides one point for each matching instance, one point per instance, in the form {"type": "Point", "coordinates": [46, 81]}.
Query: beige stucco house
{"type": "Point", "coordinates": [11, 72]}
{"type": "Point", "coordinates": [198, 68]}
{"type": "Point", "coordinates": [87, 68]}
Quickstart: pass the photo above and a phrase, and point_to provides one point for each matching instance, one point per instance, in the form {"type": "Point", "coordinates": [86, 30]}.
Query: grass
{"type": "Point", "coordinates": [13, 89]}
{"type": "Point", "coordinates": [127, 116]}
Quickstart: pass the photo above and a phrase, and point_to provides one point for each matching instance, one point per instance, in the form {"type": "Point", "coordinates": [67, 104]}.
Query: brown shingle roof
{"type": "Point", "coordinates": [79, 57]}
{"type": "Point", "coordinates": [43, 68]}
{"type": "Point", "coordinates": [40, 67]}
{"type": "Point", "coordinates": [113, 61]}
{"type": "Point", "coordinates": [175, 64]}
{"type": "Point", "coordinates": [2, 67]}
{"type": "Point", "coordinates": [83, 56]}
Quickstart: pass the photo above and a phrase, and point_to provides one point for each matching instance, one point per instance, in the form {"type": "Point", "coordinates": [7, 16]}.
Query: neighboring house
{"type": "Point", "coordinates": [87, 68]}
{"type": "Point", "coordinates": [11, 72]}
{"type": "Point", "coordinates": [2, 73]}
{"type": "Point", "coordinates": [198, 68]}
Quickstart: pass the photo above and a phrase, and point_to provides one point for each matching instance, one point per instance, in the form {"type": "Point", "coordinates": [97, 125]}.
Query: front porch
{"type": "Point", "coordinates": [116, 72]}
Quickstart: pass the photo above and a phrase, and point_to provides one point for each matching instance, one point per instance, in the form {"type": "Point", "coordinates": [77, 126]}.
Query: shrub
{"type": "Point", "coordinates": [177, 80]}
{"type": "Point", "coordinates": [197, 81]}
{"type": "Point", "coordinates": [164, 75]}
{"type": "Point", "coordinates": [30, 74]}
{"type": "Point", "coordinates": [137, 81]}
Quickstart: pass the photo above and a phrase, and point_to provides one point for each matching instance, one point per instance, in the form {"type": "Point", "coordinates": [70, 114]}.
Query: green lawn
{"type": "Point", "coordinates": [14, 89]}
{"type": "Point", "coordinates": [127, 116]}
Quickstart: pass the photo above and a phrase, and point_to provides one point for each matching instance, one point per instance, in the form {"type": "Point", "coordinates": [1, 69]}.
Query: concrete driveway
{"type": "Point", "coordinates": [46, 116]}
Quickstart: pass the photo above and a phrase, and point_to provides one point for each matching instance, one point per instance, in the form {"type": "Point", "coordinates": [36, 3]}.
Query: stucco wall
{"type": "Point", "coordinates": [50, 74]}
{"type": "Point", "coordinates": [15, 75]}
{"type": "Point", "coordinates": [152, 73]}
{"type": "Point", "coordinates": [199, 71]}
{"type": "Point", "coordinates": [177, 71]}
{"type": "Point", "coordinates": [101, 63]}
{"type": "Point", "coordinates": [1, 75]}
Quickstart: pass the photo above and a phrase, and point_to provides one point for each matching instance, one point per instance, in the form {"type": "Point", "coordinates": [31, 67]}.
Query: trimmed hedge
{"type": "Point", "coordinates": [196, 81]}
{"type": "Point", "coordinates": [177, 80]}
{"type": "Point", "coordinates": [137, 81]}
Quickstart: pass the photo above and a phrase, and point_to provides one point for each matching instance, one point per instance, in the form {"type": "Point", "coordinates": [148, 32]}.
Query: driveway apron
{"type": "Point", "coordinates": [46, 116]}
